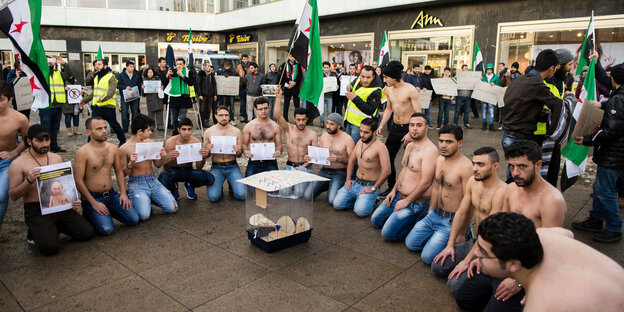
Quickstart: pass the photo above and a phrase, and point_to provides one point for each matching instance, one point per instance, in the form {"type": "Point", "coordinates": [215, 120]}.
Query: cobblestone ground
{"type": "Point", "coordinates": [200, 259]}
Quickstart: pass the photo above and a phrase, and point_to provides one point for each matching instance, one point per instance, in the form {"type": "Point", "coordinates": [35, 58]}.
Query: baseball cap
{"type": "Point", "coordinates": [38, 131]}
{"type": "Point", "coordinates": [489, 66]}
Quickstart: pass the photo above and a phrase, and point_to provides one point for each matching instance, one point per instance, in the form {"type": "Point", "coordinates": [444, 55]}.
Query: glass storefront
{"type": "Point", "coordinates": [249, 48]}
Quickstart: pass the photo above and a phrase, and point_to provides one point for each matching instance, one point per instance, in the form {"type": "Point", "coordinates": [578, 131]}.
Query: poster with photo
{"type": "Point", "coordinates": [56, 188]}
{"type": "Point", "coordinates": [268, 89]}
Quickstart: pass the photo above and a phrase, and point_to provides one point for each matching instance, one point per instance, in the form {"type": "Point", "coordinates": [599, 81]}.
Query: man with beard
{"type": "Point", "coordinates": [261, 130]}
{"type": "Point", "coordinates": [364, 95]}
{"type": "Point", "coordinates": [340, 147]}
{"type": "Point", "coordinates": [373, 168]}
{"type": "Point", "coordinates": [104, 98]}
{"type": "Point", "coordinates": [402, 103]}
{"type": "Point", "coordinates": [408, 201]}
{"type": "Point", "coordinates": [298, 138]}
{"type": "Point", "coordinates": [292, 77]}
{"type": "Point", "coordinates": [452, 172]}
{"type": "Point", "coordinates": [242, 70]}
{"type": "Point", "coordinates": [92, 172]}
{"type": "Point", "coordinates": [224, 166]}
{"type": "Point", "coordinates": [43, 230]}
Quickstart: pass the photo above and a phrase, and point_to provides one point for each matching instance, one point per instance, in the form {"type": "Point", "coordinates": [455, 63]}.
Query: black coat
{"type": "Point", "coordinates": [206, 84]}
{"type": "Point", "coordinates": [608, 142]}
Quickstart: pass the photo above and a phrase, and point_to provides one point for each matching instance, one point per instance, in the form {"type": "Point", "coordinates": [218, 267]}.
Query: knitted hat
{"type": "Point", "coordinates": [564, 55]}
{"type": "Point", "coordinates": [393, 70]}
{"type": "Point", "coordinates": [335, 118]}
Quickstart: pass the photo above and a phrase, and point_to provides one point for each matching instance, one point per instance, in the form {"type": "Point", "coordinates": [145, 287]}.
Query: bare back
{"type": "Point", "coordinates": [98, 163]}
{"type": "Point", "coordinates": [13, 124]}
{"type": "Point", "coordinates": [450, 179]}
{"type": "Point", "coordinates": [369, 159]}
{"type": "Point", "coordinates": [218, 130]}
{"type": "Point", "coordinates": [340, 145]}
{"type": "Point", "coordinates": [403, 97]}
{"type": "Point", "coordinates": [415, 158]}
{"type": "Point", "coordinates": [543, 204]}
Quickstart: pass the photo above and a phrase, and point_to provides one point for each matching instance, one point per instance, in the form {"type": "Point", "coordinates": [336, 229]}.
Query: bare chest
{"type": "Point", "coordinates": [262, 133]}
{"type": "Point", "coordinates": [100, 159]}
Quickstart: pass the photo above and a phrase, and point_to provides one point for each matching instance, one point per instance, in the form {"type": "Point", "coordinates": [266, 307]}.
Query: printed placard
{"type": "Point", "coordinates": [56, 188]}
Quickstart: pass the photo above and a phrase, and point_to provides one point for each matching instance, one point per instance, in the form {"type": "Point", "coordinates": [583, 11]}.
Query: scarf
{"type": "Point", "coordinates": [178, 86]}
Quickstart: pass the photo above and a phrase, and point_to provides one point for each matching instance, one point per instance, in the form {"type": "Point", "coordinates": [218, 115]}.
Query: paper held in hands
{"type": "Point", "coordinates": [262, 151]}
{"type": "Point", "coordinates": [131, 95]}
{"type": "Point", "coordinates": [188, 153]}
{"type": "Point", "coordinates": [223, 144]}
{"type": "Point", "coordinates": [56, 188]}
{"type": "Point", "coordinates": [148, 151]}
{"type": "Point", "coordinates": [318, 155]}
{"type": "Point", "coordinates": [151, 86]}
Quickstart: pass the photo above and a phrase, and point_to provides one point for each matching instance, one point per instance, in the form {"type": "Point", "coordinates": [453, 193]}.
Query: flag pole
{"type": "Point", "coordinates": [281, 76]}
{"type": "Point", "coordinates": [2, 6]}
{"type": "Point", "coordinates": [594, 41]}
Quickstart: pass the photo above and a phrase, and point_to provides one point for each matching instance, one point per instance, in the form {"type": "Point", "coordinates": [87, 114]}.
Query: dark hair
{"type": "Point", "coordinates": [326, 63]}
{"type": "Point", "coordinates": [415, 65]}
{"type": "Point", "coordinates": [220, 107]}
{"type": "Point", "coordinates": [464, 66]}
{"type": "Point", "coordinates": [253, 64]}
{"type": "Point", "coordinates": [129, 62]}
{"type": "Point", "coordinates": [91, 119]}
{"type": "Point", "coordinates": [447, 68]}
{"type": "Point", "coordinates": [369, 68]}
{"type": "Point", "coordinates": [161, 59]}
{"type": "Point", "coordinates": [617, 73]}
{"type": "Point", "coordinates": [244, 55]}
{"type": "Point", "coordinates": [371, 122]}
{"type": "Point", "coordinates": [260, 100]}
{"type": "Point", "coordinates": [301, 111]}
{"type": "Point", "coordinates": [6, 89]}
{"type": "Point", "coordinates": [147, 70]}
{"type": "Point", "coordinates": [513, 237]}
{"type": "Point", "coordinates": [104, 61]}
{"type": "Point", "coordinates": [526, 148]}
{"type": "Point", "coordinates": [501, 63]}
{"type": "Point", "coordinates": [419, 115]}
{"type": "Point", "coordinates": [141, 122]}
{"type": "Point", "coordinates": [180, 59]}
{"type": "Point", "coordinates": [94, 61]}
{"type": "Point", "coordinates": [455, 130]}
{"type": "Point", "coordinates": [487, 150]}
{"type": "Point", "coordinates": [185, 122]}
{"type": "Point", "coordinates": [352, 65]}
{"type": "Point", "coordinates": [546, 59]}
{"type": "Point", "coordinates": [515, 65]}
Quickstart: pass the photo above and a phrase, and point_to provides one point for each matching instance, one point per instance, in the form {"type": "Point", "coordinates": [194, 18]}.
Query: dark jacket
{"type": "Point", "coordinates": [608, 142]}
{"type": "Point", "coordinates": [226, 72]}
{"type": "Point", "coordinates": [253, 86]}
{"type": "Point", "coordinates": [287, 76]}
{"type": "Point", "coordinates": [123, 81]}
{"type": "Point", "coordinates": [416, 81]}
{"type": "Point", "coordinates": [272, 77]}
{"type": "Point", "coordinates": [206, 84]}
{"type": "Point", "coordinates": [373, 102]}
{"type": "Point", "coordinates": [162, 74]}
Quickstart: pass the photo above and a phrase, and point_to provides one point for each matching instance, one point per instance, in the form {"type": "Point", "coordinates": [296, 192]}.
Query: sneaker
{"type": "Point", "coordinates": [608, 236]}
{"type": "Point", "coordinates": [500, 128]}
{"type": "Point", "coordinates": [29, 238]}
{"type": "Point", "coordinates": [467, 126]}
{"type": "Point", "coordinates": [590, 224]}
{"type": "Point", "coordinates": [190, 191]}
{"type": "Point", "coordinates": [233, 123]}
{"type": "Point", "coordinates": [176, 194]}
{"type": "Point", "coordinates": [492, 127]}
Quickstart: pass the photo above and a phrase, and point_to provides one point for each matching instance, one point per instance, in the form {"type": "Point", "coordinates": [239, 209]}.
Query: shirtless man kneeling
{"type": "Point", "coordinates": [558, 272]}
{"type": "Point", "coordinates": [452, 172]}
{"type": "Point", "coordinates": [143, 186]}
{"type": "Point", "coordinates": [298, 138]}
{"type": "Point", "coordinates": [261, 130]}
{"type": "Point", "coordinates": [224, 166]}
{"type": "Point", "coordinates": [92, 172]}
{"type": "Point", "coordinates": [409, 199]}
{"type": "Point", "coordinates": [373, 163]}
{"type": "Point", "coordinates": [402, 103]}
{"type": "Point", "coordinates": [340, 146]}
{"type": "Point", "coordinates": [23, 172]}
{"type": "Point", "coordinates": [13, 123]}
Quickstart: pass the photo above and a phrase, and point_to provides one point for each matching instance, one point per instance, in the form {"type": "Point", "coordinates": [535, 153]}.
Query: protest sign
{"type": "Point", "coordinates": [466, 80]}
{"type": "Point", "coordinates": [56, 188]}
{"type": "Point", "coordinates": [227, 85]}
{"type": "Point", "coordinates": [485, 93]}
{"type": "Point", "coordinates": [444, 86]}
{"type": "Point", "coordinates": [151, 86]}
{"type": "Point", "coordinates": [74, 94]}
{"type": "Point", "coordinates": [344, 82]}
{"type": "Point", "coordinates": [23, 93]}
{"type": "Point", "coordinates": [330, 84]}
{"type": "Point", "coordinates": [588, 120]}
{"type": "Point", "coordinates": [424, 98]}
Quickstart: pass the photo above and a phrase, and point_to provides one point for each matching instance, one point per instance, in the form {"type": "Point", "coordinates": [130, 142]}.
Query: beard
{"type": "Point", "coordinates": [483, 177]}
{"type": "Point", "coordinates": [525, 182]}
{"type": "Point", "coordinates": [42, 150]}
{"type": "Point", "coordinates": [367, 140]}
{"type": "Point", "coordinates": [332, 132]}
{"type": "Point", "coordinates": [417, 137]}
{"type": "Point", "coordinates": [561, 73]}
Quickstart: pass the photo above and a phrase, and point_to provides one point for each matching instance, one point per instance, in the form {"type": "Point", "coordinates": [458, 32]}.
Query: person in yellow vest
{"type": "Point", "coordinates": [104, 98]}
{"type": "Point", "coordinates": [52, 115]}
{"type": "Point", "coordinates": [364, 96]}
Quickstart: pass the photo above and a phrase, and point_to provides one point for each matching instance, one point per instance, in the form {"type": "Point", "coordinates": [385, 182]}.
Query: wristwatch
{"type": "Point", "coordinates": [373, 188]}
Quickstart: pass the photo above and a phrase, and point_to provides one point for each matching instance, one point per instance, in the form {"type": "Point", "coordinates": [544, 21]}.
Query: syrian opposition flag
{"type": "Point", "coordinates": [191, 64]}
{"type": "Point", "coordinates": [100, 55]}
{"type": "Point", "coordinates": [588, 46]}
{"type": "Point", "coordinates": [477, 59]}
{"type": "Point", "coordinates": [305, 47]}
{"type": "Point", "coordinates": [19, 21]}
{"type": "Point", "coordinates": [384, 52]}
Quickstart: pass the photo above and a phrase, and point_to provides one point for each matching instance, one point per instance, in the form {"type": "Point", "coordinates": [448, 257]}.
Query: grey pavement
{"type": "Point", "coordinates": [200, 259]}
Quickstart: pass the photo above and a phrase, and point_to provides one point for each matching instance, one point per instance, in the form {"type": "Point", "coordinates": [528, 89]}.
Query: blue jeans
{"type": "Point", "coordinates": [336, 178]}
{"type": "Point", "coordinates": [604, 205]}
{"type": "Point", "coordinates": [329, 106]}
{"type": "Point", "coordinates": [445, 106]}
{"type": "Point", "coordinates": [195, 177]}
{"type": "Point", "coordinates": [353, 131]}
{"type": "Point", "coordinates": [462, 102]}
{"type": "Point", "coordinates": [4, 187]}
{"type": "Point", "coordinates": [271, 107]}
{"type": "Point", "coordinates": [104, 225]}
{"type": "Point", "coordinates": [427, 115]}
{"type": "Point", "coordinates": [363, 204]}
{"type": "Point", "coordinates": [487, 113]}
{"type": "Point", "coordinates": [126, 108]}
{"type": "Point", "coordinates": [69, 118]}
{"type": "Point", "coordinates": [620, 187]}
{"type": "Point", "coordinates": [109, 114]}
{"type": "Point", "coordinates": [299, 189]}
{"type": "Point", "coordinates": [142, 190]}
{"type": "Point", "coordinates": [429, 236]}
{"type": "Point", "coordinates": [242, 93]}
{"type": "Point", "coordinates": [396, 224]}
{"type": "Point", "coordinates": [51, 118]}
{"type": "Point", "coordinates": [257, 166]}
{"type": "Point", "coordinates": [221, 173]}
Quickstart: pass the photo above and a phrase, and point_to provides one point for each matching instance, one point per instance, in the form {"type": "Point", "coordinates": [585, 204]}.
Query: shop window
{"type": "Point", "coordinates": [167, 5]}
{"type": "Point", "coordinates": [239, 4]}
{"type": "Point", "coordinates": [201, 6]}
{"type": "Point", "coordinates": [52, 2]}
{"type": "Point", "coordinates": [86, 3]}
{"type": "Point", "coordinates": [437, 52]}
{"type": "Point", "coordinates": [127, 4]}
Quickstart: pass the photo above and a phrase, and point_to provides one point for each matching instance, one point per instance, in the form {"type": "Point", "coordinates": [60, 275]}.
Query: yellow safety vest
{"type": "Point", "coordinates": [541, 126]}
{"type": "Point", "coordinates": [100, 89]}
{"type": "Point", "coordinates": [353, 114]}
{"type": "Point", "coordinates": [57, 88]}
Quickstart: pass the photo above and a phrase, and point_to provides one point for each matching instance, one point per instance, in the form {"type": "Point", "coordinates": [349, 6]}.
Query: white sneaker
{"type": "Point", "coordinates": [233, 123]}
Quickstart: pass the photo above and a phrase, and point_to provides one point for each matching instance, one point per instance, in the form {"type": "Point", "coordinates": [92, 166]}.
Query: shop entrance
{"type": "Point", "coordinates": [437, 60]}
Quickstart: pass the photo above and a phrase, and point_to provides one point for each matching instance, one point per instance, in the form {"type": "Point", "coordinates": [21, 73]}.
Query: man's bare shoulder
{"type": "Point", "coordinates": [171, 141]}
{"type": "Point", "coordinates": [55, 158]}
{"type": "Point", "coordinates": [194, 140]}
{"type": "Point", "coordinates": [552, 196]}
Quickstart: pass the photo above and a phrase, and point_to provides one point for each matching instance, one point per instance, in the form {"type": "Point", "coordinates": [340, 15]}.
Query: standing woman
{"type": "Point", "coordinates": [154, 102]}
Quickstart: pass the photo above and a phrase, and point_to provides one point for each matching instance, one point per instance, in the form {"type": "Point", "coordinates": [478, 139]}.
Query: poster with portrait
{"type": "Point", "coordinates": [56, 188]}
{"type": "Point", "coordinates": [268, 89]}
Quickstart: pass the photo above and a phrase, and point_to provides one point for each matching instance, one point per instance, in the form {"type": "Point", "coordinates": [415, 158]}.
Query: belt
{"type": "Point", "coordinates": [294, 164]}
{"type": "Point", "coordinates": [364, 182]}
{"type": "Point", "coordinates": [443, 214]}
{"type": "Point", "coordinates": [422, 200]}
{"type": "Point", "coordinates": [142, 177]}
{"type": "Point", "coordinates": [223, 164]}
{"type": "Point", "coordinates": [400, 126]}
{"type": "Point", "coordinates": [102, 194]}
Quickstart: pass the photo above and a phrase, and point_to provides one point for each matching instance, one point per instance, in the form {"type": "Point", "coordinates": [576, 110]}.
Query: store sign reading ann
{"type": "Point", "coordinates": [423, 20]}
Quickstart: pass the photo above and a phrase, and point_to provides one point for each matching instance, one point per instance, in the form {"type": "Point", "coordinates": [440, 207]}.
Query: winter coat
{"type": "Point", "coordinates": [608, 142]}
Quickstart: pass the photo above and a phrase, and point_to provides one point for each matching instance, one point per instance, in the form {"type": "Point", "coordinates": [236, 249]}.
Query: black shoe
{"type": "Point", "coordinates": [57, 149]}
{"type": "Point", "coordinates": [608, 236]}
{"type": "Point", "coordinates": [492, 127]}
{"type": "Point", "coordinates": [484, 126]}
{"type": "Point", "coordinates": [590, 224]}
{"type": "Point", "coordinates": [29, 238]}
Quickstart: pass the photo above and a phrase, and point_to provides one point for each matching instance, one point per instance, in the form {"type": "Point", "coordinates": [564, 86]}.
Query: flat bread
{"type": "Point", "coordinates": [260, 220]}
{"type": "Point", "coordinates": [302, 225]}
{"type": "Point", "coordinates": [286, 224]}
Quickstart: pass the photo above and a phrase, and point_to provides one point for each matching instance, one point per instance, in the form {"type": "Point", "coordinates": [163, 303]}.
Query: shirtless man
{"type": "Point", "coordinates": [558, 272]}
{"type": "Point", "coordinates": [13, 123]}
{"type": "Point", "coordinates": [143, 187]}
{"type": "Point", "coordinates": [452, 172]}
{"type": "Point", "coordinates": [298, 138]}
{"type": "Point", "coordinates": [92, 172]}
{"type": "Point", "coordinates": [262, 130]}
{"type": "Point", "coordinates": [373, 163]}
{"type": "Point", "coordinates": [402, 103]}
{"type": "Point", "coordinates": [43, 229]}
{"type": "Point", "coordinates": [224, 166]}
{"type": "Point", "coordinates": [409, 199]}
{"type": "Point", "coordinates": [340, 146]}
{"type": "Point", "coordinates": [174, 173]}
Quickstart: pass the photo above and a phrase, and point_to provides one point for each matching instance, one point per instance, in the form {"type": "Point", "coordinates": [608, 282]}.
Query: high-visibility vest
{"type": "Point", "coordinates": [353, 114]}
{"type": "Point", "coordinates": [100, 89]}
{"type": "Point", "coordinates": [541, 126]}
{"type": "Point", "coordinates": [57, 88]}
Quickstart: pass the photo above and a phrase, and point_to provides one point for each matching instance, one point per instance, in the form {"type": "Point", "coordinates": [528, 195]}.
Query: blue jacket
{"type": "Point", "coordinates": [124, 81]}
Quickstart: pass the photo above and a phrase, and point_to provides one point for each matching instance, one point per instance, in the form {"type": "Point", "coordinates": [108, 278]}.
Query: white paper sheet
{"type": "Point", "coordinates": [274, 180]}
{"type": "Point", "coordinates": [223, 144]}
{"type": "Point", "coordinates": [74, 94]}
{"type": "Point", "coordinates": [318, 155]}
{"type": "Point", "coordinates": [148, 151]}
{"type": "Point", "coordinates": [444, 86]}
{"type": "Point", "coordinates": [130, 95]}
{"type": "Point", "coordinates": [151, 86]}
{"type": "Point", "coordinates": [345, 80]}
{"type": "Point", "coordinates": [262, 151]}
{"type": "Point", "coordinates": [188, 153]}
{"type": "Point", "coordinates": [330, 84]}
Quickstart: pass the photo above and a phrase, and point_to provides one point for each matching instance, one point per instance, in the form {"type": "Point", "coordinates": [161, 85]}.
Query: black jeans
{"type": "Point", "coordinates": [393, 143]}
{"type": "Point", "coordinates": [109, 114]}
{"type": "Point", "coordinates": [554, 166]}
{"type": "Point", "coordinates": [195, 177]}
{"type": "Point", "coordinates": [51, 118]}
{"type": "Point", "coordinates": [290, 94]}
{"type": "Point", "coordinates": [46, 228]}
{"type": "Point", "coordinates": [205, 107]}
{"type": "Point", "coordinates": [257, 166]}
{"type": "Point", "coordinates": [477, 294]}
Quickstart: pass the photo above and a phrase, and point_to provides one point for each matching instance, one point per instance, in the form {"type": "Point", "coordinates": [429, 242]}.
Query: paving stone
{"type": "Point", "coordinates": [7, 301]}
{"type": "Point", "coordinates": [370, 243]}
